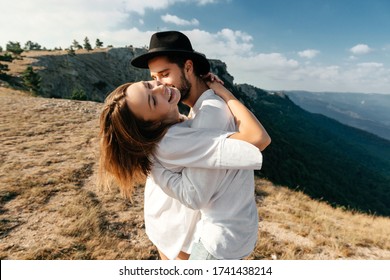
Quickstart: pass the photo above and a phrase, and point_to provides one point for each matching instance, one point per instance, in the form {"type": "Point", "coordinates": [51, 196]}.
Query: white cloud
{"type": "Point", "coordinates": [58, 23]}
{"type": "Point", "coordinates": [278, 71]}
{"type": "Point", "coordinates": [309, 54]}
{"type": "Point", "coordinates": [360, 49]}
{"type": "Point", "coordinates": [236, 49]}
{"type": "Point", "coordinates": [264, 62]}
{"type": "Point", "coordinates": [125, 37]}
{"type": "Point", "coordinates": [179, 21]}
{"type": "Point", "coordinates": [141, 6]}
{"type": "Point", "coordinates": [370, 65]}
{"type": "Point", "coordinates": [206, 2]}
{"type": "Point", "coordinates": [222, 44]}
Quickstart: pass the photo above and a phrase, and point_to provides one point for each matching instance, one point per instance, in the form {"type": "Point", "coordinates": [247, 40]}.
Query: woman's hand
{"type": "Point", "coordinates": [220, 90]}
{"type": "Point", "coordinates": [210, 77]}
{"type": "Point", "coordinates": [249, 127]}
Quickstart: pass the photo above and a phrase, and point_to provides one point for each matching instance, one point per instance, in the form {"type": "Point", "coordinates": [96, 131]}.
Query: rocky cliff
{"type": "Point", "coordinates": [97, 73]}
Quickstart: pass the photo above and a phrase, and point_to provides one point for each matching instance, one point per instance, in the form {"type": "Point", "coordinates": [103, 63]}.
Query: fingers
{"type": "Point", "coordinates": [210, 77]}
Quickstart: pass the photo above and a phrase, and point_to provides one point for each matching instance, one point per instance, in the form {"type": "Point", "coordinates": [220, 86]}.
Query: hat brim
{"type": "Point", "coordinates": [198, 58]}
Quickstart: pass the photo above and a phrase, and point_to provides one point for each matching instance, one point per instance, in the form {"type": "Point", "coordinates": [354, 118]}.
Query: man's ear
{"type": "Point", "coordinates": [188, 66]}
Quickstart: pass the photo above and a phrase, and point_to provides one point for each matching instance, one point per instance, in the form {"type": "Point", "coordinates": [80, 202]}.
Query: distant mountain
{"type": "Point", "coordinates": [369, 112]}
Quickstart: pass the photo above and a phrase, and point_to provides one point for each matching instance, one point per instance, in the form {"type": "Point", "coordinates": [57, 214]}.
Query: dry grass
{"type": "Point", "coordinates": [51, 208]}
{"type": "Point", "coordinates": [50, 205]}
{"type": "Point", "coordinates": [294, 226]}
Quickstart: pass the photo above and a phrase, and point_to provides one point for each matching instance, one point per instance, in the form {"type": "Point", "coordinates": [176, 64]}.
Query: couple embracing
{"type": "Point", "coordinates": [199, 198]}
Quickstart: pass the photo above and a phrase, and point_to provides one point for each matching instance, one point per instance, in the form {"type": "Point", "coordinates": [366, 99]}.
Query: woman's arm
{"type": "Point", "coordinates": [206, 148]}
{"type": "Point", "coordinates": [249, 127]}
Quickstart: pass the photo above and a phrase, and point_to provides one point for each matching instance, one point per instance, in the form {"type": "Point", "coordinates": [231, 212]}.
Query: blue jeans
{"type": "Point", "coordinates": [199, 252]}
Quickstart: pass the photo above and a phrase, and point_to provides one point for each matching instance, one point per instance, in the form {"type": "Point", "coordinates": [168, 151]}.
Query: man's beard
{"type": "Point", "coordinates": [185, 87]}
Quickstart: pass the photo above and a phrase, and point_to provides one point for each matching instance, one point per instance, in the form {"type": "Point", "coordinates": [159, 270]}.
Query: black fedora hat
{"type": "Point", "coordinates": [171, 42]}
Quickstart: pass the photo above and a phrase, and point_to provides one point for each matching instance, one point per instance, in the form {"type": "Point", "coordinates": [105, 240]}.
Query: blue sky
{"type": "Point", "coordinates": [334, 45]}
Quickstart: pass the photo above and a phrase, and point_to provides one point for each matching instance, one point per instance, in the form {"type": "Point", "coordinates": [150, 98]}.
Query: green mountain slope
{"type": "Point", "coordinates": [327, 160]}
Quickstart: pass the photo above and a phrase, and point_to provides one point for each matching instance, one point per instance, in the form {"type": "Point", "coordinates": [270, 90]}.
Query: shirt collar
{"type": "Point", "coordinates": [205, 95]}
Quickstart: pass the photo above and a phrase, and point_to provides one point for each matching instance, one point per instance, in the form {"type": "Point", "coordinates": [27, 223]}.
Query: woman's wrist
{"type": "Point", "coordinates": [226, 95]}
{"type": "Point", "coordinates": [221, 91]}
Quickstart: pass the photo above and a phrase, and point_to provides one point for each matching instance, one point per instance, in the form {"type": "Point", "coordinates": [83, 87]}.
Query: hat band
{"type": "Point", "coordinates": [168, 49]}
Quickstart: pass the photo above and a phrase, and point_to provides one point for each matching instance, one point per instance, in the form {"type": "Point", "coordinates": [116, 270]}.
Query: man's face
{"type": "Point", "coordinates": [170, 74]}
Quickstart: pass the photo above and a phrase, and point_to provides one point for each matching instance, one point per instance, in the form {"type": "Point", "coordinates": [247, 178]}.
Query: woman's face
{"type": "Point", "coordinates": [152, 101]}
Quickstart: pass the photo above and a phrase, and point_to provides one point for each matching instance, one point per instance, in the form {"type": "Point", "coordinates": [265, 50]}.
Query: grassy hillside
{"type": "Point", "coordinates": [51, 207]}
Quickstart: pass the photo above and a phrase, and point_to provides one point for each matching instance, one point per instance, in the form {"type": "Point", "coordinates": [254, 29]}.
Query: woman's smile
{"type": "Point", "coordinates": [153, 101]}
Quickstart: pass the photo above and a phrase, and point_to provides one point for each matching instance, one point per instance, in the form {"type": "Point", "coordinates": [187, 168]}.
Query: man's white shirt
{"type": "Point", "coordinates": [214, 174]}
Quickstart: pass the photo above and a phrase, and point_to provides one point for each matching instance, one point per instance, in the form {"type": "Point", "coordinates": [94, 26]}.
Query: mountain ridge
{"type": "Point", "coordinates": [366, 111]}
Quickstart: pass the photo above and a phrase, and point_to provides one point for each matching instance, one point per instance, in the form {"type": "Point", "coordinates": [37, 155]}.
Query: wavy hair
{"type": "Point", "coordinates": [127, 143]}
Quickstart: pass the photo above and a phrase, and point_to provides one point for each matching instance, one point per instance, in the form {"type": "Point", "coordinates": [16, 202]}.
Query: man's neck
{"type": "Point", "coordinates": [197, 89]}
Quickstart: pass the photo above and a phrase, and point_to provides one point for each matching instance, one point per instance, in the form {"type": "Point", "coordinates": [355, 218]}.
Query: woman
{"type": "Point", "coordinates": [136, 118]}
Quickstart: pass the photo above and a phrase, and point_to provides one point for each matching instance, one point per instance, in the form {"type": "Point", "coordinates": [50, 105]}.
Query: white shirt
{"type": "Point", "coordinates": [169, 224]}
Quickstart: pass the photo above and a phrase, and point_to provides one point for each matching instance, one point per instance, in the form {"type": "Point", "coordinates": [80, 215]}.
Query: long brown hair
{"type": "Point", "coordinates": [127, 143]}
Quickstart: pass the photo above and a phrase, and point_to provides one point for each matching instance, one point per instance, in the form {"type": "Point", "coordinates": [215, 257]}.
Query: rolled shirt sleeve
{"type": "Point", "coordinates": [208, 153]}
{"type": "Point", "coordinates": [206, 148]}
{"type": "Point", "coordinates": [188, 189]}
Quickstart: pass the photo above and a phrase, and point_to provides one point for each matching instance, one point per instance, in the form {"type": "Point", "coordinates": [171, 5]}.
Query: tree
{"type": "Point", "coordinates": [78, 94]}
{"type": "Point", "coordinates": [71, 51]}
{"type": "Point", "coordinates": [87, 45]}
{"type": "Point", "coordinates": [6, 57]}
{"type": "Point", "coordinates": [3, 68]}
{"type": "Point", "coordinates": [76, 45]}
{"type": "Point", "coordinates": [98, 43]}
{"type": "Point", "coordinates": [29, 46]}
{"type": "Point", "coordinates": [14, 47]}
{"type": "Point", "coordinates": [32, 80]}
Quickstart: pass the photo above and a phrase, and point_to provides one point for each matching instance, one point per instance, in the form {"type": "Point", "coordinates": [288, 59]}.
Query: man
{"type": "Point", "coordinates": [172, 61]}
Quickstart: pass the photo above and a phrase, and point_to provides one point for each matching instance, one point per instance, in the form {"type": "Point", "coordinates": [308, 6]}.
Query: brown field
{"type": "Point", "coordinates": [52, 208]}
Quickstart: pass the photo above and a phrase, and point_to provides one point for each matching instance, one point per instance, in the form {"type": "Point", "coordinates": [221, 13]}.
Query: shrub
{"type": "Point", "coordinates": [32, 80]}
{"type": "Point", "coordinates": [78, 94]}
